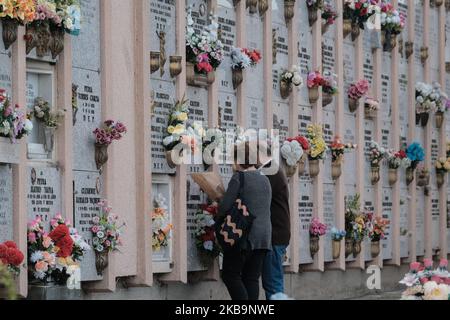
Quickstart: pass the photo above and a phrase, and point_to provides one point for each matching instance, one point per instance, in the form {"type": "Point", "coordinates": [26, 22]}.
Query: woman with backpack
{"type": "Point", "coordinates": [244, 227]}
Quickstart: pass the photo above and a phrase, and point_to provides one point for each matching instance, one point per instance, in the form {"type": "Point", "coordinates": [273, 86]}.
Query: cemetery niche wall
{"type": "Point", "coordinates": [86, 82]}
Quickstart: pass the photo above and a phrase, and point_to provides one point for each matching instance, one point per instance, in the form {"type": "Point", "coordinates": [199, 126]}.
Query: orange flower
{"type": "Point", "coordinates": [41, 266]}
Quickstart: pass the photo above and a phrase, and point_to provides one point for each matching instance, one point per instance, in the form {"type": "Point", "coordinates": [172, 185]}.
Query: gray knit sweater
{"type": "Point", "coordinates": [257, 196]}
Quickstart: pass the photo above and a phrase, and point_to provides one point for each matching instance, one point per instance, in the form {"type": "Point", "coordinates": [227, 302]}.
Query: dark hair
{"type": "Point", "coordinates": [238, 149]}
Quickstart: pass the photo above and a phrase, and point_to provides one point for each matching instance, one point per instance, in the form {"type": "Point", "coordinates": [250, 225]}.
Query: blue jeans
{"type": "Point", "coordinates": [273, 271]}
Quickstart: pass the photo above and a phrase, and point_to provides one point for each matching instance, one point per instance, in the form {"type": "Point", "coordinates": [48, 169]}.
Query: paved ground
{"type": "Point", "coordinates": [396, 295]}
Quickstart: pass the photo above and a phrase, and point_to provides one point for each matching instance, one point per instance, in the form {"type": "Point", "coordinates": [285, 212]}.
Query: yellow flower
{"type": "Point", "coordinates": [171, 129]}
{"type": "Point", "coordinates": [182, 116]}
{"type": "Point", "coordinates": [447, 166]}
{"type": "Point", "coordinates": [438, 165]}
{"type": "Point", "coordinates": [179, 129]}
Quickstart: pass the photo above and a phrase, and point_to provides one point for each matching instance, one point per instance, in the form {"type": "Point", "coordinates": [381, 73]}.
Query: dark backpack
{"type": "Point", "coordinates": [232, 232]}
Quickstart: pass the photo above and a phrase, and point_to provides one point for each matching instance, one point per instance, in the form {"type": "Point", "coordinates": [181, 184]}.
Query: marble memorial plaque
{"type": "Point", "coordinates": [87, 117]}
{"type": "Point", "coordinates": [403, 94]}
{"type": "Point", "coordinates": [86, 46]}
{"type": "Point", "coordinates": [227, 27]}
{"type": "Point", "coordinates": [44, 193]}
{"type": "Point", "coordinates": [369, 130]}
{"type": "Point", "coordinates": [386, 92]}
{"type": "Point", "coordinates": [420, 219]}
{"type": "Point", "coordinates": [195, 197]}
{"type": "Point", "coordinates": [350, 157]}
{"type": "Point", "coordinates": [306, 214]}
{"type": "Point", "coordinates": [435, 216]}
{"type": "Point", "coordinates": [418, 41]}
{"type": "Point", "coordinates": [387, 214]}
{"type": "Point", "coordinates": [404, 223]}
{"type": "Point", "coordinates": [281, 119]}
{"type": "Point", "coordinates": [87, 195]}
{"type": "Point", "coordinates": [328, 134]}
{"type": "Point", "coordinates": [5, 71]}
{"type": "Point", "coordinates": [434, 38]}
{"type": "Point", "coordinates": [6, 203]}
{"type": "Point", "coordinates": [329, 211]}
{"type": "Point", "coordinates": [304, 50]}
{"type": "Point", "coordinates": [368, 205]}
{"type": "Point", "coordinates": [281, 62]}
{"type": "Point", "coordinates": [255, 82]}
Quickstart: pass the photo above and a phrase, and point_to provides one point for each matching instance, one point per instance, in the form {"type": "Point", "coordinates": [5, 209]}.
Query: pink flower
{"type": "Point", "coordinates": [95, 229]}
{"type": "Point", "coordinates": [437, 279]}
{"type": "Point", "coordinates": [415, 266]}
{"type": "Point", "coordinates": [443, 264]}
{"type": "Point", "coordinates": [424, 280]}
{"type": "Point", "coordinates": [428, 263]}
{"type": "Point", "coordinates": [31, 237]}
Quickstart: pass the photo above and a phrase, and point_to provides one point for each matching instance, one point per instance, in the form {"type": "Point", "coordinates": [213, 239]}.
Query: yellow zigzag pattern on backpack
{"type": "Point", "coordinates": [233, 225]}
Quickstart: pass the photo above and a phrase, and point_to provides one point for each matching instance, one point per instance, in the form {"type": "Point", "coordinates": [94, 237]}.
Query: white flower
{"type": "Point", "coordinates": [100, 234]}
{"type": "Point", "coordinates": [292, 152]}
{"type": "Point", "coordinates": [297, 80]}
{"type": "Point", "coordinates": [5, 128]}
{"type": "Point", "coordinates": [36, 256]}
{"type": "Point", "coordinates": [100, 248]}
{"type": "Point", "coordinates": [410, 280]}
{"type": "Point", "coordinates": [433, 291]}
{"type": "Point", "coordinates": [208, 245]}
{"type": "Point", "coordinates": [28, 126]}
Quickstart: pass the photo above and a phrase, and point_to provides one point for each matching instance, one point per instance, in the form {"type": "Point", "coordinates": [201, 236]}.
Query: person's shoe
{"type": "Point", "coordinates": [281, 296]}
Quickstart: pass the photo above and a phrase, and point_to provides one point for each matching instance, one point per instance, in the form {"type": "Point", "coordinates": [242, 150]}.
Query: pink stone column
{"type": "Point", "coordinates": [19, 170]}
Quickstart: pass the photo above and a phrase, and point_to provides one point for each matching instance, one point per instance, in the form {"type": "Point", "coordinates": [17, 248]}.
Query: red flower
{"type": "Point", "coordinates": [204, 66]}
{"type": "Point", "coordinates": [15, 257]}
{"type": "Point", "coordinates": [209, 235]}
{"type": "Point", "coordinates": [61, 236]}
{"type": "Point", "coordinates": [10, 244]}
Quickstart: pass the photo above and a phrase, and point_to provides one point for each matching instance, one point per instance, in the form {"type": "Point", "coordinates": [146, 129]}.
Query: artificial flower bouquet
{"type": "Point", "coordinates": [314, 81]}
{"type": "Point", "coordinates": [177, 125]}
{"type": "Point", "coordinates": [11, 257]}
{"type": "Point", "coordinates": [395, 161]}
{"type": "Point", "coordinates": [425, 283]}
{"type": "Point", "coordinates": [318, 148]}
{"type": "Point", "coordinates": [105, 135]}
{"type": "Point", "coordinates": [442, 166]}
{"type": "Point", "coordinates": [376, 156]}
{"type": "Point", "coordinates": [415, 153]}
{"type": "Point", "coordinates": [371, 107]}
{"type": "Point", "coordinates": [292, 152]}
{"type": "Point", "coordinates": [337, 236]}
{"type": "Point", "coordinates": [355, 226]}
{"type": "Point", "coordinates": [14, 124]}
{"type": "Point", "coordinates": [429, 97]}
{"type": "Point", "coordinates": [329, 14]}
{"type": "Point", "coordinates": [392, 24]}
{"type": "Point", "coordinates": [106, 231]}
{"type": "Point", "coordinates": [330, 87]}
{"type": "Point", "coordinates": [376, 231]}
{"type": "Point", "coordinates": [43, 112]}
{"type": "Point", "coordinates": [51, 21]}
{"type": "Point", "coordinates": [204, 51]}
{"type": "Point", "coordinates": [205, 236]}
{"type": "Point", "coordinates": [51, 254]}
{"type": "Point", "coordinates": [338, 149]}
{"type": "Point", "coordinates": [355, 92]}
{"type": "Point", "coordinates": [288, 79]}
{"type": "Point", "coordinates": [13, 13]}
{"type": "Point", "coordinates": [357, 13]}
{"type": "Point", "coordinates": [242, 58]}
{"type": "Point", "coordinates": [316, 230]}
{"type": "Point", "coordinates": [161, 226]}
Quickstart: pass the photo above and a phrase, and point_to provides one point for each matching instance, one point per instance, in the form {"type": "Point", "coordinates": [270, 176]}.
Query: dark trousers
{"type": "Point", "coordinates": [241, 273]}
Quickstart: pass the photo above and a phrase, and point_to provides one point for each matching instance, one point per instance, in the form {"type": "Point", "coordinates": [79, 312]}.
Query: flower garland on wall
{"type": "Point", "coordinates": [205, 237]}
{"type": "Point", "coordinates": [14, 124]}
{"type": "Point", "coordinates": [161, 226]}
